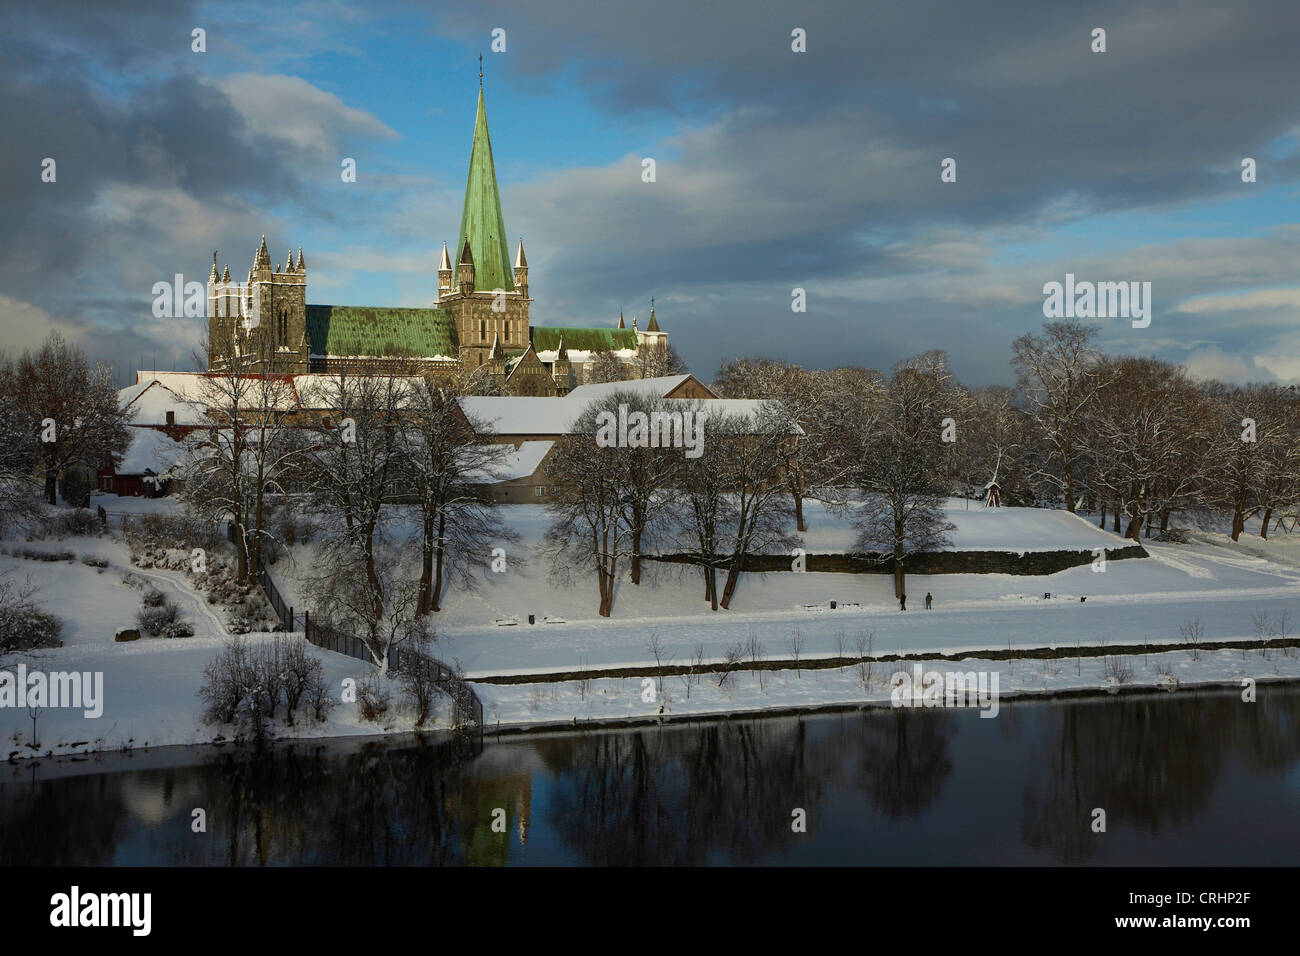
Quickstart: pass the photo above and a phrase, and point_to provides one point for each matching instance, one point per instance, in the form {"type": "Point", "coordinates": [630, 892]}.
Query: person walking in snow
{"type": "Point", "coordinates": [928, 599]}
{"type": "Point", "coordinates": [902, 602]}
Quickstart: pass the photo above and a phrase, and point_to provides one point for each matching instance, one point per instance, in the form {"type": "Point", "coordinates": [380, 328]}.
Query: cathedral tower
{"type": "Point", "coordinates": [489, 300]}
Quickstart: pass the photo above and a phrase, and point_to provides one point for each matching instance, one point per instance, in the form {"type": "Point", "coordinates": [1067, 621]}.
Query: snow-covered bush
{"type": "Point", "coordinates": [155, 618]}
{"type": "Point", "coordinates": [419, 678]}
{"type": "Point", "coordinates": [153, 598]}
{"type": "Point", "coordinates": [1116, 670]}
{"type": "Point", "coordinates": [31, 554]}
{"type": "Point", "coordinates": [50, 522]}
{"type": "Point", "coordinates": [23, 625]}
{"type": "Point", "coordinates": [301, 678]}
{"type": "Point", "coordinates": [177, 629]}
{"type": "Point", "coordinates": [227, 681]}
{"type": "Point", "coordinates": [76, 522]}
{"type": "Point", "coordinates": [372, 700]}
{"type": "Point", "coordinates": [245, 686]}
{"type": "Point", "coordinates": [172, 531]}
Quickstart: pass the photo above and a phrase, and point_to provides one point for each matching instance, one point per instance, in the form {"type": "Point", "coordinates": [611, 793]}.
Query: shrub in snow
{"type": "Point", "coordinates": [23, 625]}
{"type": "Point", "coordinates": [319, 700]}
{"type": "Point", "coordinates": [1116, 670]}
{"type": "Point", "coordinates": [79, 522]}
{"type": "Point", "coordinates": [172, 531]}
{"type": "Point", "coordinates": [91, 561]}
{"type": "Point", "coordinates": [419, 678]}
{"type": "Point", "coordinates": [177, 629]}
{"type": "Point", "coordinates": [153, 620]}
{"type": "Point", "coordinates": [31, 554]}
{"type": "Point", "coordinates": [227, 681]}
{"type": "Point", "coordinates": [245, 686]}
{"type": "Point", "coordinates": [372, 699]}
{"type": "Point", "coordinates": [153, 598]}
{"type": "Point", "coordinates": [302, 679]}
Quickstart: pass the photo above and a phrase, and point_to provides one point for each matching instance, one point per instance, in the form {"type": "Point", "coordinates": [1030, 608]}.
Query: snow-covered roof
{"type": "Point", "coordinates": [650, 387]}
{"type": "Point", "coordinates": [517, 463]}
{"type": "Point", "coordinates": [149, 402]}
{"type": "Point", "coordinates": [513, 415]}
{"type": "Point", "coordinates": [149, 451]}
{"type": "Point", "coordinates": [203, 388]}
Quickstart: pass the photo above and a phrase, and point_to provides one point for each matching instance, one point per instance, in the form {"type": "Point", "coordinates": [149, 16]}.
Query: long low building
{"type": "Point", "coordinates": [176, 403]}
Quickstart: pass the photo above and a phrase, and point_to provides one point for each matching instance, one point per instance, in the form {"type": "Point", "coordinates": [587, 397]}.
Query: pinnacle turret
{"type": "Point", "coordinates": [481, 222]}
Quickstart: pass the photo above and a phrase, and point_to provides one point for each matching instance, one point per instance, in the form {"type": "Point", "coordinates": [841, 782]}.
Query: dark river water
{"type": "Point", "coordinates": [1184, 779]}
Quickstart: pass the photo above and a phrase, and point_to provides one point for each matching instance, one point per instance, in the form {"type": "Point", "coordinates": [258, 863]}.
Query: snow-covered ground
{"type": "Point", "coordinates": [977, 529]}
{"type": "Point", "coordinates": [519, 705]}
{"type": "Point", "coordinates": [152, 685]}
{"type": "Point", "coordinates": [1141, 600]}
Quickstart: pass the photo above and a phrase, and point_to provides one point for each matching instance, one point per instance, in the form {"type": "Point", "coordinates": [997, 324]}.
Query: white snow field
{"type": "Point", "coordinates": [1133, 601]}
{"type": "Point", "coordinates": [603, 699]}
{"type": "Point", "coordinates": [151, 686]}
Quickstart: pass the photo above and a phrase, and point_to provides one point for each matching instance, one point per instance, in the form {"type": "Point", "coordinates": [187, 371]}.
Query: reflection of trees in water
{"type": "Point", "coordinates": [378, 806]}
{"type": "Point", "coordinates": [1150, 763]}
{"type": "Point", "coordinates": [682, 794]}
{"type": "Point", "coordinates": [901, 758]}
{"type": "Point", "coordinates": [686, 795]}
{"type": "Point", "coordinates": [74, 821]}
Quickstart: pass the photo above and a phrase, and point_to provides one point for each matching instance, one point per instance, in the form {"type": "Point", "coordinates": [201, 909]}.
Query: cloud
{"type": "Point", "coordinates": [1260, 299]}
{"type": "Point", "coordinates": [27, 326]}
{"type": "Point", "coordinates": [309, 122]}
{"type": "Point", "coordinates": [817, 170]}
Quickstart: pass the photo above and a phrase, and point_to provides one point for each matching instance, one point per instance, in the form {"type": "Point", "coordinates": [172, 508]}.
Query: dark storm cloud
{"type": "Point", "coordinates": [156, 165]}
{"type": "Point", "coordinates": [817, 170]}
{"type": "Point", "coordinates": [824, 165]}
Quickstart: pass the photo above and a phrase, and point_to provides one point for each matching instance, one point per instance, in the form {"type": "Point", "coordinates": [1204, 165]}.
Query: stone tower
{"type": "Point", "coordinates": [488, 300]}
{"type": "Point", "coordinates": [264, 320]}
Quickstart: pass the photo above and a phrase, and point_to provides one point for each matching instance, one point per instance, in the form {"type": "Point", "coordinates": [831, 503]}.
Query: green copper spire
{"type": "Point", "coordinates": [481, 219]}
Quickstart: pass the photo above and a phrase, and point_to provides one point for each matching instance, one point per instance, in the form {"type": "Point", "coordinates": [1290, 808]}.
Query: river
{"type": "Point", "coordinates": [1184, 779]}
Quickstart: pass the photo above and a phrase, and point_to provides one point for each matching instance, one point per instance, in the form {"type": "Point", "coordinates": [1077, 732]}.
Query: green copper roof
{"type": "Point", "coordinates": [338, 330]}
{"type": "Point", "coordinates": [481, 218]}
{"type": "Point", "coordinates": [547, 337]}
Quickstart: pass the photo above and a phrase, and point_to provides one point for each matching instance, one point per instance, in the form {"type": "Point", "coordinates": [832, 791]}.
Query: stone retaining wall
{"type": "Point", "coordinates": [936, 562]}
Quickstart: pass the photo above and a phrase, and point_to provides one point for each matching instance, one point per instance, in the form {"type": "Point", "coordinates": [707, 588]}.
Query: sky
{"type": "Point", "coordinates": [775, 170]}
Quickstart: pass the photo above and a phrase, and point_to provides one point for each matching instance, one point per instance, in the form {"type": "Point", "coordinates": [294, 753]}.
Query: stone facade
{"type": "Point", "coordinates": [479, 315]}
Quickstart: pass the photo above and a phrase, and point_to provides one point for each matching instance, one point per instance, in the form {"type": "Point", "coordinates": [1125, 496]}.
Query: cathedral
{"type": "Point", "coordinates": [478, 323]}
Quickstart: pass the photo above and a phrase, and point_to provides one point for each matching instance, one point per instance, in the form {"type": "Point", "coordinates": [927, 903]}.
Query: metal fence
{"type": "Point", "coordinates": [467, 709]}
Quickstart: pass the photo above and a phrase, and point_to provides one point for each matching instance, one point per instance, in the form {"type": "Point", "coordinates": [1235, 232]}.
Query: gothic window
{"type": "Point", "coordinates": [482, 329]}
{"type": "Point", "coordinates": [282, 331]}
{"type": "Point", "coordinates": [507, 330]}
